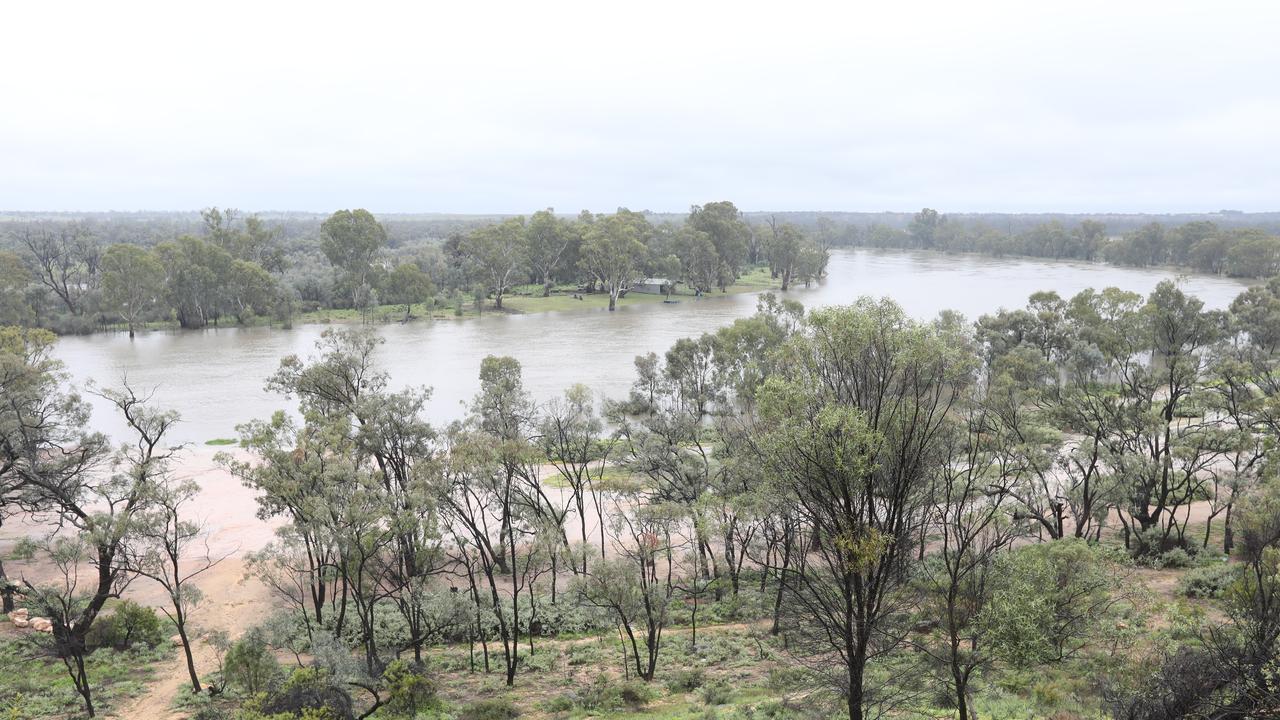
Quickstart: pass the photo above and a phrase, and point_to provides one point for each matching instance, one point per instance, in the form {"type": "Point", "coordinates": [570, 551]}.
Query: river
{"type": "Point", "coordinates": [214, 378]}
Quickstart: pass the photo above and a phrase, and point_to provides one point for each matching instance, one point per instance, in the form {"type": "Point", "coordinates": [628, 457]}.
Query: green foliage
{"type": "Point", "coordinates": [128, 625]}
{"type": "Point", "coordinates": [686, 680]}
{"type": "Point", "coordinates": [408, 688]}
{"type": "Point", "coordinates": [716, 693]}
{"type": "Point", "coordinates": [308, 694]}
{"type": "Point", "coordinates": [34, 683]}
{"type": "Point", "coordinates": [489, 709]}
{"type": "Point", "coordinates": [1209, 581]}
{"type": "Point", "coordinates": [605, 693]}
{"type": "Point", "coordinates": [249, 665]}
{"type": "Point", "coordinates": [1053, 599]}
{"type": "Point", "coordinates": [1174, 559]}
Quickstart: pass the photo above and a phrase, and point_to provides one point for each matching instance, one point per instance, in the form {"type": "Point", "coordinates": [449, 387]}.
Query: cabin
{"type": "Point", "coordinates": [654, 286]}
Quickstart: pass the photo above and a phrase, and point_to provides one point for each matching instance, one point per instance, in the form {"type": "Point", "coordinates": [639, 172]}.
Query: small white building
{"type": "Point", "coordinates": [654, 286]}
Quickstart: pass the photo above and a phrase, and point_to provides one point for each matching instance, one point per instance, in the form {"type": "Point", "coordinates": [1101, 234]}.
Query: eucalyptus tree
{"type": "Point", "coordinates": [251, 239]}
{"type": "Point", "coordinates": [1159, 456]}
{"type": "Point", "coordinates": [132, 283]}
{"type": "Point", "coordinates": [172, 549]}
{"type": "Point", "coordinates": [548, 240]}
{"type": "Point", "coordinates": [351, 241]}
{"type": "Point", "coordinates": [729, 234]}
{"type": "Point", "coordinates": [497, 255]}
{"type": "Point", "coordinates": [293, 468]}
{"type": "Point", "coordinates": [853, 431]}
{"type": "Point", "coordinates": [358, 480]}
{"type": "Point", "coordinates": [698, 258]}
{"type": "Point", "coordinates": [406, 285]}
{"type": "Point", "coordinates": [197, 279]}
{"type": "Point", "coordinates": [16, 307]}
{"type": "Point", "coordinates": [629, 585]}
{"type": "Point", "coordinates": [661, 437]}
{"type": "Point", "coordinates": [746, 350]}
{"type": "Point", "coordinates": [971, 526]}
{"type": "Point", "coordinates": [493, 503]}
{"type": "Point", "coordinates": [94, 499]}
{"type": "Point", "coordinates": [783, 247]}
{"type": "Point", "coordinates": [66, 260]}
{"type": "Point", "coordinates": [612, 250]}
{"type": "Point", "coordinates": [572, 437]}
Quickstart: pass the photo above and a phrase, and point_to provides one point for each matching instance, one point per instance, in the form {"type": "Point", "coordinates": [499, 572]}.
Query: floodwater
{"type": "Point", "coordinates": [214, 378]}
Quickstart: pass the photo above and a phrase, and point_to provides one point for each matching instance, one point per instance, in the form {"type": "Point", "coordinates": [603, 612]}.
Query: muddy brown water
{"type": "Point", "coordinates": [214, 378]}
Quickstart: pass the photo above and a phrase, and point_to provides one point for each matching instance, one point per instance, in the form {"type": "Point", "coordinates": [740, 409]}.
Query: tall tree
{"type": "Point", "coordinates": [723, 223]}
{"type": "Point", "coordinates": [66, 261]}
{"type": "Point", "coordinates": [548, 239]}
{"type": "Point", "coordinates": [924, 228]}
{"type": "Point", "coordinates": [853, 433]}
{"type": "Point", "coordinates": [351, 241]}
{"type": "Point", "coordinates": [132, 282]}
{"type": "Point", "coordinates": [613, 249]}
{"type": "Point", "coordinates": [406, 285]}
{"type": "Point", "coordinates": [497, 254]}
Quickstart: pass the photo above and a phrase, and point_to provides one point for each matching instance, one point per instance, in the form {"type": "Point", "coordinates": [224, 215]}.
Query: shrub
{"type": "Point", "coordinates": [308, 692]}
{"type": "Point", "coordinates": [717, 693]}
{"type": "Point", "coordinates": [490, 709]}
{"type": "Point", "coordinates": [128, 625]}
{"type": "Point", "coordinates": [559, 704]}
{"type": "Point", "coordinates": [686, 681]}
{"type": "Point", "coordinates": [609, 694]}
{"type": "Point", "coordinates": [1175, 559]}
{"type": "Point", "coordinates": [634, 694]}
{"type": "Point", "coordinates": [408, 689]}
{"type": "Point", "coordinates": [249, 665]}
{"type": "Point", "coordinates": [1209, 581]}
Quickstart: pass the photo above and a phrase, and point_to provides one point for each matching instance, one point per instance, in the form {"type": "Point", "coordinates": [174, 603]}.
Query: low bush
{"type": "Point", "coordinates": [409, 689]}
{"type": "Point", "coordinates": [309, 692]}
{"type": "Point", "coordinates": [490, 709]}
{"type": "Point", "coordinates": [716, 693]}
{"type": "Point", "coordinates": [607, 693]}
{"type": "Point", "coordinates": [686, 681]}
{"type": "Point", "coordinates": [249, 665]}
{"type": "Point", "coordinates": [1174, 559]}
{"type": "Point", "coordinates": [130, 624]}
{"type": "Point", "coordinates": [1209, 581]}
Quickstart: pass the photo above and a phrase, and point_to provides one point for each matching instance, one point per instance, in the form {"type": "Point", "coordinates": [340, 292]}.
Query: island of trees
{"type": "Point", "coordinates": [891, 517]}
{"type": "Point", "coordinates": [80, 275]}
{"type": "Point", "coordinates": [62, 276]}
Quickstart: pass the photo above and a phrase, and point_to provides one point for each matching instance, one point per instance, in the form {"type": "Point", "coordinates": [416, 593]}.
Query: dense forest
{"type": "Point", "coordinates": [898, 518]}
{"type": "Point", "coordinates": [79, 274]}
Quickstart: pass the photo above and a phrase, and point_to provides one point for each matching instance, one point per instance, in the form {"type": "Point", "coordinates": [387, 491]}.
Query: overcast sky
{"type": "Point", "coordinates": [493, 107]}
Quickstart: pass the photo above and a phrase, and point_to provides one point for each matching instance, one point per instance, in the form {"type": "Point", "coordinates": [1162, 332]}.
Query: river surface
{"type": "Point", "coordinates": [214, 378]}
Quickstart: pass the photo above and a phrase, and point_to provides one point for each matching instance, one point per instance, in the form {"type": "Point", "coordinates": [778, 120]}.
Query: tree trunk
{"type": "Point", "coordinates": [186, 650]}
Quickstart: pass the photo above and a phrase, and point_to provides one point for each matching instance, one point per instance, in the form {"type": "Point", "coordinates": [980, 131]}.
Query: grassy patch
{"type": "Point", "coordinates": [221, 441]}
{"type": "Point", "coordinates": [526, 299]}
{"type": "Point", "coordinates": [34, 683]}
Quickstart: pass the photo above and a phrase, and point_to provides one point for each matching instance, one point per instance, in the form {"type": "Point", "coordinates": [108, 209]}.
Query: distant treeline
{"type": "Point", "coordinates": [82, 274]}
{"type": "Point", "coordinates": [1200, 245]}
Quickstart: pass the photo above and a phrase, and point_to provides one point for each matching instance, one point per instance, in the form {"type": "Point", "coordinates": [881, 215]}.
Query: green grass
{"type": "Point", "coordinates": [525, 299]}
{"type": "Point", "coordinates": [34, 683]}
{"type": "Point", "coordinates": [221, 441]}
